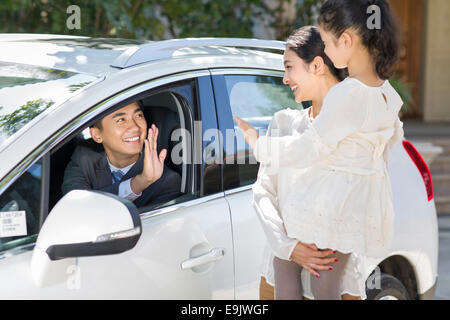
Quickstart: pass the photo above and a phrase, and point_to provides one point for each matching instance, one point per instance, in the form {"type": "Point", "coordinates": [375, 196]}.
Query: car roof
{"type": "Point", "coordinates": [70, 53]}
{"type": "Point", "coordinates": [98, 55]}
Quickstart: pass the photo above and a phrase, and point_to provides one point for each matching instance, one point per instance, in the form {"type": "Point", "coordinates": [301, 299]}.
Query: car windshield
{"type": "Point", "coordinates": [26, 91]}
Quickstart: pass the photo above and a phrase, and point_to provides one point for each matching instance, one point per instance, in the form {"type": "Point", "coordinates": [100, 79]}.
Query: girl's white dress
{"type": "Point", "coordinates": [326, 181]}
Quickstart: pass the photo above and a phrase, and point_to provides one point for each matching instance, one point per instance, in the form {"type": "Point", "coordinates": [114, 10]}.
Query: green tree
{"type": "Point", "coordinates": [139, 19]}
{"type": "Point", "coordinates": [280, 94]}
{"type": "Point", "coordinates": [306, 13]}
{"type": "Point", "coordinates": [12, 122]}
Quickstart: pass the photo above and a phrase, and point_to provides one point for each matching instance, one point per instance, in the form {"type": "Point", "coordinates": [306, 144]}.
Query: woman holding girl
{"type": "Point", "coordinates": [332, 190]}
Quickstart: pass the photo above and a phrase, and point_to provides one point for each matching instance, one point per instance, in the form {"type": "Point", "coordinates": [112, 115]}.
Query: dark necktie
{"type": "Point", "coordinates": [117, 176]}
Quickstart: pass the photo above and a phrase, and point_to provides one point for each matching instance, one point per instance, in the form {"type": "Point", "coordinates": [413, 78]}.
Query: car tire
{"type": "Point", "coordinates": [390, 288]}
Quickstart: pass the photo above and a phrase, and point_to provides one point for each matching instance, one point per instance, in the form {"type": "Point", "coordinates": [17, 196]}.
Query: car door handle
{"type": "Point", "coordinates": [212, 256]}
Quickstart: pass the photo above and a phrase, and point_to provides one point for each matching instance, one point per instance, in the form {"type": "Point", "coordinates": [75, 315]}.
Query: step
{"type": "Point", "coordinates": [441, 164]}
{"type": "Point", "coordinates": [419, 128]}
{"type": "Point", "coordinates": [442, 205]}
{"type": "Point", "coordinates": [427, 150]}
{"type": "Point", "coordinates": [444, 143]}
{"type": "Point", "coordinates": [441, 184]}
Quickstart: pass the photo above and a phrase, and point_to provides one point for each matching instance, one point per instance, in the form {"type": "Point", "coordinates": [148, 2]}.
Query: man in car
{"type": "Point", "coordinates": [123, 160]}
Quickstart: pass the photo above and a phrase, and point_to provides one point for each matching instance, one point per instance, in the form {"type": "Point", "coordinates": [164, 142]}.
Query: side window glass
{"type": "Point", "coordinates": [20, 209]}
{"type": "Point", "coordinates": [255, 99]}
{"type": "Point", "coordinates": [169, 109]}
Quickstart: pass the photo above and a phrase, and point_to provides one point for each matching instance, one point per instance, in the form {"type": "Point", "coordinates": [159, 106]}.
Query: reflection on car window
{"type": "Point", "coordinates": [26, 91]}
{"type": "Point", "coordinates": [20, 209]}
{"type": "Point", "coordinates": [255, 99]}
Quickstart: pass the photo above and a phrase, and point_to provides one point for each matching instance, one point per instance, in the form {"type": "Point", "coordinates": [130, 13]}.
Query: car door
{"type": "Point", "coordinates": [185, 250]}
{"type": "Point", "coordinates": [163, 265]}
{"type": "Point", "coordinates": [253, 95]}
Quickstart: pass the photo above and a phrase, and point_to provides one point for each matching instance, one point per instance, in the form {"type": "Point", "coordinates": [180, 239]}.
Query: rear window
{"type": "Point", "coordinates": [26, 91]}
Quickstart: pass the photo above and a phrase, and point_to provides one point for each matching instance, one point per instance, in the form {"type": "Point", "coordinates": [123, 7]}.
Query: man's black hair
{"type": "Point", "coordinates": [99, 125]}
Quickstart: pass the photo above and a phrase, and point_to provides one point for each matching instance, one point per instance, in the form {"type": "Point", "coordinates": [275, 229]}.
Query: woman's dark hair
{"type": "Point", "coordinates": [336, 16]}
{"type": "Point", "coordinates": [307, 44]}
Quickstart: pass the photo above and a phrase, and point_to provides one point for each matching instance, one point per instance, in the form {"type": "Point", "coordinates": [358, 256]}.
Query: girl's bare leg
{"type": "Point", "coordinates": [266, 291]}
{"type": "Point", "coordinates": [349, 297]}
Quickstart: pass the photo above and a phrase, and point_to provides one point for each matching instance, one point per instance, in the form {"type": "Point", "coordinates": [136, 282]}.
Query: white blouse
{"type": "Point", "coordinates": [326, 182]}
{"type": "Point", "coordinates": [353, 279]}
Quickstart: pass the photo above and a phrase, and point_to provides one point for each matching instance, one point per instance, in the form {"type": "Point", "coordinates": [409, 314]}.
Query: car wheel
{"type": "Point", "coordinates": [389, 288]}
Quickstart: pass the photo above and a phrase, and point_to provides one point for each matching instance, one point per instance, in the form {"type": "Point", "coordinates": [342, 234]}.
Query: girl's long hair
{"type": "Point", "coordinates": [336, 16]}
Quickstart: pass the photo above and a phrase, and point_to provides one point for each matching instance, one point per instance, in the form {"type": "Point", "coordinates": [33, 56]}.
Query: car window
{"type": "Point", "coordinates": [172, 109]}
{"type": "Point", "coordinates": [26, 91]}
{"type": "Point", "coordinates": [255, 98]}
{"type": "Point", "coordinates": [20, 207]}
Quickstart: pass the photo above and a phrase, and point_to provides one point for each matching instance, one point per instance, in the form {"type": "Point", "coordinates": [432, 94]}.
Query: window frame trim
{"type": "Point", "coordinates": [207, 108]}
{"type": "Point", "coordinates": [247, 72]}
{"type": "Point", "coordinates": [222, 72]}
{"type": "Point", "coordinates": [45, 189]}
{"type": "Point", "coordinates": [178, 206]}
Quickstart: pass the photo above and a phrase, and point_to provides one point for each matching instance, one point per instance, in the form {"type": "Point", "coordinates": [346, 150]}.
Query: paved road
{"type": "Point", "coordinates": [443, 284]}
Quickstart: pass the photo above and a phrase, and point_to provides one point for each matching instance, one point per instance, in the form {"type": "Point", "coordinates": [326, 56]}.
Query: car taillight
{"type": "Point", "coordinates": [421, 165]}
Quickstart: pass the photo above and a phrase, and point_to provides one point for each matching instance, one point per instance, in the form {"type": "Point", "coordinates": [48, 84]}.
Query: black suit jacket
{"type": "Point", "coordinates": [88, 169]}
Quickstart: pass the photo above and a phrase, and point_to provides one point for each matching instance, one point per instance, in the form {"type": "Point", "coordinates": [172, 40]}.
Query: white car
{"type": "Point", "coordinates": [205, 244]}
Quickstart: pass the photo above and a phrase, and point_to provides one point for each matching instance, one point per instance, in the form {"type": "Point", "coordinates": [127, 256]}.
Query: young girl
{"type": "Point", "coordinates": [340, 196]}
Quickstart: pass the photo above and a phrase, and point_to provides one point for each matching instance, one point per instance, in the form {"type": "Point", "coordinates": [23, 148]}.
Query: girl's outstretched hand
{"type": "Point", "coordinates": [311, 258]}
{"type": "Point", "coordinates": [250, 133]}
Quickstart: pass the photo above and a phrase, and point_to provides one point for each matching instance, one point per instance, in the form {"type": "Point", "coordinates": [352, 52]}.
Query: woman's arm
{"type": "Point", "coordinates": [265, 203]}
{"type": "Point", "coordinates": [344, 111]}
{"type": "Point", "coordinates": [399, 134]}
{"type": "Point", "coordinates": [266, 206]}
{"type": "Point", "coordinates": [396, 138]}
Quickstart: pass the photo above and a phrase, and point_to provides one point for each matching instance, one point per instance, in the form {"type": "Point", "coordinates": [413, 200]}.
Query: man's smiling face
{"type": "Point", "coordinates": [122, 133]}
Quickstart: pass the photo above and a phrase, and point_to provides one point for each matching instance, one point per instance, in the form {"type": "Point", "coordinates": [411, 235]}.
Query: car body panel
{"type": "Point", "coordinates": [151, 270]}
{"type": "Point", "coordinates": [416, 229]}
{"type": "Point", "coordinates": [249, 243]}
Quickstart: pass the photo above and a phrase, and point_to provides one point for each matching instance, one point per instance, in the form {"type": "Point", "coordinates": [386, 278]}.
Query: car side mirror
{"type": "Point", "coordinates": [83, 223]}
